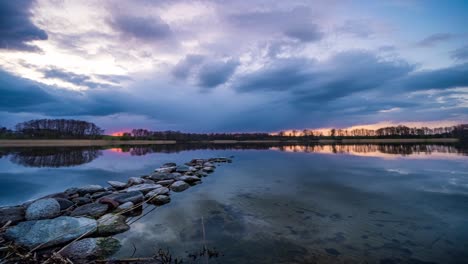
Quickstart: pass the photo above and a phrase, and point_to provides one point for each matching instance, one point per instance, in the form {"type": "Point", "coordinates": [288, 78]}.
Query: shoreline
{"type": "Point", "coordinates": [104, 142]}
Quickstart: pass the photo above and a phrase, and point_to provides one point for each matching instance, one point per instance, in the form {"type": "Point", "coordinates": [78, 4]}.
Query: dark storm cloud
{"type": "Point", "coordinates": [311, 81]}
{"type": "Point", "coordinates": [445, 78]}
{"type": "Point", "coordinates": [435, 39]}
{"type": "Point", "coordinates": [17, 94]}
{"type": "Point", "coordinates": [460, 53]}
{"type": "Point", "coordinates": [16, 28]}
{"type": "Point", "coordinates": [143, 28]}
{"type": "Point", "coordinates": [184, 67]}
{"type": "Point", "coordinates": [213, 74]}
{"type": "Point", "coordinates": [74, 78]}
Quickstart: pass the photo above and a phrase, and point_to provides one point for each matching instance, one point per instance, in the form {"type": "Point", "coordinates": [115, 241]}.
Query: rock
{"type": "Point", "coordinates": [124, 207]}
{"type": "Point", "coordinates": [94, 210]}
{"type": "Point", "coordinates": [169, 165]}
{"type": "Point", "coordinates": [158, 191]}
{"type": "Point", "coordinates": [134, 197]}
{"type": "Point", "coordinates": [208, 164]}
{"type": "Point", "coordinates": [144, 188]}
{"type": "Point", "coordinates": [201, 174]}
{"type": "Point", "coordinates": [160, 200]}
{"type": "Point", "coordinates": [43, 209]}
{"type": "Point", "coordinates": [111, 224]}
{"type": "Point", "coordinates": [165, 182]}
{"type": "Point", "coordinates": [135, 180]}
{"type": "Point", "coordinates": [192, 169]}
{"type": "Point", "coordinates": [179, 186]}
{"type": "Point", "coordinates": [182, 168]}
{"type": "Point", "coordinates": [188, 179]}
{"type": "Point", "coordinates": [89, 249]}
{"type": "Point", "coordinates": [159, 176]}
{"type": "Point", "coordinates": [90, 189]}
{"type": "Point", "coordinates": [110, 202]}
{"type": "Point", "coordinates": [50, 232]}
{"type": "Point", "coordinates": [14, 214]}
{"type": "Point", "coordinates": [208, 169]}
{"type": "Point", "coordinates": [117, 184]}
{"type": "Point", "coordinates": [165, 170]}
{"type": "Point", "coordinates": [64, 203]}
{"type": "Point", "coordinates": [100, 194]}
{"type": "Point", "coordinates": [81, 200]}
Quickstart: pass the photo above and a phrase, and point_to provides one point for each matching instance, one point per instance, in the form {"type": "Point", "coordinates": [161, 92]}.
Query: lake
{"type": "Point", "coordinates": [276, 204]}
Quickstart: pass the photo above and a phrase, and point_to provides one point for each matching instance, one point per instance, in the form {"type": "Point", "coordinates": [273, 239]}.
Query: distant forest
{"type": "Point", "coordinates": [77, 129]}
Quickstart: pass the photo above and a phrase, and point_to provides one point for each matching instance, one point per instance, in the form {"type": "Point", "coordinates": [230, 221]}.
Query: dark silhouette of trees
{"type": "Point", "coordinates": [58, 128]}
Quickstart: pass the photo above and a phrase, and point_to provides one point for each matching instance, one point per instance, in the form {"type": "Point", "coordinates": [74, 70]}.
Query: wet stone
{"type": "Point", "coordinates": [111, 224]}
{"type": "Point", "coordinates": [94, 210]}
{"type": "Point", "coordinates": [134, 197]}
{"type": "Point", "coordinates": [89, 249]}
{"type": "Point", "coordinates": [81, 200]}
{"type": "Point", "coordinates": [43, 209]}
{"type": "Point", "coordinates": [14, 214]}
{"type": "Point", "coordinates": [117, 184]}
{"type": "Point", "coordinates": [165, 182]}
{"type": "Point", "coordinates": [64, 203]}
{"type": "Point", "coordinates": [160, 200]}
{"type": "Point", "coordinates": [144, 188]}
{"type": "Point", "coordinates": [179, 186]}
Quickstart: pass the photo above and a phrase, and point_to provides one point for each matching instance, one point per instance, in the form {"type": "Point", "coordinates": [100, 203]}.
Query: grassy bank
{"type": "Point", "coordinates": [84, 143]}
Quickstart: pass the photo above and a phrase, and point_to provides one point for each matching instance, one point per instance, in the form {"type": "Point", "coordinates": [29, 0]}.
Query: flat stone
{"type": "Point", "coordinates": [117, 184]}
{"type": "Point", "coordinates": [160, 200]}
{"type": "Point", "coordinates": [111, 224]}
{"type": "Point", "coordinates": [144, 188]}
{"type": "Point", "coordinates": [179, 186]}
{"type": "Point", "coordinates": [158, 191]}
{"type": "Point", "coordinates": [165, 182]}
{"type": "Point", "coordinates": [64, 203]}
{"type": "Point", "coordinates": [135, 180]}
{"type": "Point", "coordinates": [90, 189]}
{"type": "Point", "coordinates": [43, 209]}
{"type": "Point", "coordinates": [90, 249]}
{"type": "Point", "coordinates": [94, 210]}
{"type": "Point", "coordinates": [188, 179]}
{"type": "Point", "coordinates": [50, 232]}
{"type": "Point", "coordinates": [134, 197]}
{"type": "Point", "coordinates": [81, 200]}
{"type": "Point", "coordinates": [14, 214]}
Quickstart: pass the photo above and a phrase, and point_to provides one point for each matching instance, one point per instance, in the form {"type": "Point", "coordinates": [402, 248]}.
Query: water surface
{"type": "Point", "coordinates": [277, 204]}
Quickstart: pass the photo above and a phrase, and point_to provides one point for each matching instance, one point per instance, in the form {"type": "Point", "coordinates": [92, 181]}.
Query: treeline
{"type": "Point", "coordinates": [53, 129]}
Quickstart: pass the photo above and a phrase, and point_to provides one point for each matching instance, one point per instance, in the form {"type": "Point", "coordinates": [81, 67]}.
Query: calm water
{"type": "Point", "coordinates": [278, 204]}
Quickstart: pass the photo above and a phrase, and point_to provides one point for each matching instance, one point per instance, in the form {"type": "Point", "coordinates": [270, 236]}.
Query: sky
{"type": "Point", "coordinates": [234, 66]}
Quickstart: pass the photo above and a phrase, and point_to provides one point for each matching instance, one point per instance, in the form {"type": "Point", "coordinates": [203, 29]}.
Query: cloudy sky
{"type": "Point", "coordinates": [233, 65]}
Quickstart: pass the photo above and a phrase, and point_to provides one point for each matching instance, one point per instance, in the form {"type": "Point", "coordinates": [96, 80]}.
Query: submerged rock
{"type": "Point", "coordinates": [117, 184]}
{"type": "Point", "coordinates": [89, 249]}
{"type": "Point", "coordinates": [144, 188]}
{"type": "Point", "coordinates": [14, 214]}
{"type": "Point", "coordinates": [111, 224]}
{"type": "Point", "coordinates": [50, 232]}
{"type": "Point", "coordinates": [93, 210]}
{"type": "Point", "coordinates": [43, 209]}
{"type": "Point", "coordinates": [179, 186]}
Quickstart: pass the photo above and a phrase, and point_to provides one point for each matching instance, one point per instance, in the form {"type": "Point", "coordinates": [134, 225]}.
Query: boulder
{"type": "Point", "coordinates": [94, 210]}
{"type": "Point", "coordinates": [43, 209]}
{"type": "Point", "coordinates": [134, 197]}
{"type": "Point", "coordinates": [144, 188]}
{"type": "Point", "coordinates": [50, 232]}
{"type": "Point", "coordinates": [111, 224]}
{"type": "Point", "coordinates": [159, 176]}
{"type": "Point", "coordinates": [160, 200]}
{"type": "Point", "coordinates": [117, 184]}
{"type": "Point", "coordinates": [64, 203]}
{"type": "Point", "coordinates": [14, 214]}
{"type": "Point", "coordinates": [179, 186]}
{"type": "Point", "coordinates": [158, 191]}
{"type": "Point", "coordinates": [81, 200]}
{"type": "Point", "coordinates": [165, 182]}
{"type": "Point", "coordinates": [188, 179]}
{"type": "Point", "coordinates": [90, 189]}
{"type": "Point", "coordinates": [89, 249]}
{"type": "Point", "coordinates": [135, 180]}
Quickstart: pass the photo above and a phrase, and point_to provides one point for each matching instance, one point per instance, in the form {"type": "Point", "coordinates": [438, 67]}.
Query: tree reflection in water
{"type": "Point", "coordinates": [73, 156]}
{"type": "Point", "coordinates": [54, 157]}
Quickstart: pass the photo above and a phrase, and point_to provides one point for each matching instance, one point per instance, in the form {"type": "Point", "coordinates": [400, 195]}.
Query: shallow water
{"type": "Point", "coordinates": [278, 204]}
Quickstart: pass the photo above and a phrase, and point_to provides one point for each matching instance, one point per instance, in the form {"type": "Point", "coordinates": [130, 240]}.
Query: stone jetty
{"type": "Point", "coordinates": [77, 224]}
